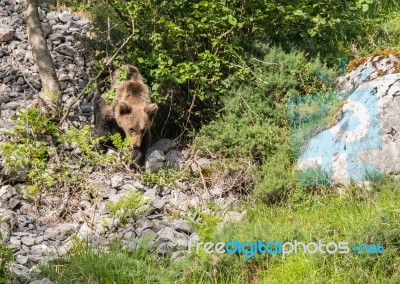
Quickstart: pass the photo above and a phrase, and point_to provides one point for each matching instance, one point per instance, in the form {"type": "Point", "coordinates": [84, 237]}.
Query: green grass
{"type": "Point", "coordinates": [88, 265]}
{"type": "Point", "coordinates": [356, 216]}
{"type": "Point", "coordinates": [6, 257]}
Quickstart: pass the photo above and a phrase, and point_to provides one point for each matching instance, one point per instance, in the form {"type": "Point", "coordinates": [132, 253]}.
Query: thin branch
{"type": "Point", "coordinates": [169, 112]}
{"type": "Point", "coordinates": [251, 71]}
{"type": "Point", "coordinates": [121, 16]}
{"type": "Point", "coordinates": [226, 33]}
{"type": "Point", "coordinates": [249, 106]}
{"type": "Point", "coordinates": [62, 208]}
{"type": "Point", "coordinates": [268, 63]}
{"type": "Point", "coordinates": [189, 111]}
{"type": "Point", "coordinates": [203, 180]}
{"type": "Point", "coordinates": [246, 66]}
{"type": "Point", "coordinates": [30, 85]}
{"type": "Point", "coordinates": [91, 81]}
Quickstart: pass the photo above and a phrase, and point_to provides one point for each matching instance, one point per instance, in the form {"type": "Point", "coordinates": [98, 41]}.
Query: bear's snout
{"type": "Point", "coordinates": [137, 156]}
{"type": "Point", "coordinates": [136, 141]}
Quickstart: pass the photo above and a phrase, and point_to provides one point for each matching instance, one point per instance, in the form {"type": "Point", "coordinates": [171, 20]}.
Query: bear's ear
{"type": "Point", "coordinates": [151, 109]}
{"type": "Point", "coordinates": [123, 108]}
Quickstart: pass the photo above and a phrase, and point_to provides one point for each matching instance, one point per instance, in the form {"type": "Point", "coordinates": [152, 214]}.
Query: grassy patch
{"type": "Point", "coordinates": [89, 265]}
{"type": "Point", "coordinates": [6, 257]}
{"type": "Point", "coordinates": [356, 216]}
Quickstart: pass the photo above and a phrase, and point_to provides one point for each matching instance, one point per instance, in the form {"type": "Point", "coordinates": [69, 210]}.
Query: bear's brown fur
{"type": "Point", "coordinates": [131, 112]}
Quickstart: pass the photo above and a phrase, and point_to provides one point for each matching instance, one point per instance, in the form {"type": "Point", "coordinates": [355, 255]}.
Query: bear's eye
{"type": "Point", "coordinates": [142, 131]}
{"type": "Point", "coordinates": [131, 130]}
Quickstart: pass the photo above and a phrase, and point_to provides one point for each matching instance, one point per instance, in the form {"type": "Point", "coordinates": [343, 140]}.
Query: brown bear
{"type": "Point", "coordinates": [131, 112]}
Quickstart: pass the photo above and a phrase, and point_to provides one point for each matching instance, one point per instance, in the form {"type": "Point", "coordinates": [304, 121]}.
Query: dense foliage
{"type": "Point", "coordinates": [253, 122]}
{"type": "Point", "coordinates": [186, 49]}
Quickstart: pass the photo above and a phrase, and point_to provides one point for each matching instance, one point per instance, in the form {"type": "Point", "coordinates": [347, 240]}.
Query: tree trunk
{"type": "Point", "coordinates": [50, 95]}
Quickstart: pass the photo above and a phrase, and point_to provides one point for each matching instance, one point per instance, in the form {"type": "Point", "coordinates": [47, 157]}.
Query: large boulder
{"type": "Point", "coordinates": [365, 141]}
{"type": "Point", "coordinates": [369, 68]}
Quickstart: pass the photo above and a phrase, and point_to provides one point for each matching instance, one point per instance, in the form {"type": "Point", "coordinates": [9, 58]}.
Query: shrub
{"type": "Point", "coordinates": [277, 178]}
{"type": "Point", "coordinates": [130, 205]}
{"type": "Point", "coordinates": [254, 121]}
{"type": "Point", "coordinates": [6, 257]}
{"type": "Point", "coordinates": [52, 158]}
{"type": "Point", "coordinates": [163, 177]}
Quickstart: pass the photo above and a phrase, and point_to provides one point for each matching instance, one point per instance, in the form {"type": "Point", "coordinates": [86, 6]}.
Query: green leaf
{"type": "Point", "coordinates": [365, 7]}
{"type": "Point", "coordinates": [232, 20]}
{"type": "Point", "coordinates": [203, 3]}
{"type": "Point", "coordinates": [299, 13]}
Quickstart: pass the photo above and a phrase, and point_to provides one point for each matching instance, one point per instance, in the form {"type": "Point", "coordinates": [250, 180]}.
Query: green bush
{"type": "Point", "coordinates": [187, 48]}
{"type": "Point", "coordinates": [277, 178]}
{"type": "Point", "coordinates": [128, 206]}
{"type": "Point", "coordinates": [325, 27]}
{"type": "Point", "coordinates": [254, 122]}
{"type": "Point", "coordinates": [6, 257]}
{"type": "Point", "coordinates": [53, 158]}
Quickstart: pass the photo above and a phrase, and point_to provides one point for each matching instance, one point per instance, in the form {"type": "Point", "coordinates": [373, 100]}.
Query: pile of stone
{"type": "Point", "coordinates": [159, 223]}
{"type": "Point", "coordinates": [19, 77]}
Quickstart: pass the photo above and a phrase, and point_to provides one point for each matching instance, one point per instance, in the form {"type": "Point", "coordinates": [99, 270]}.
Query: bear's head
{"type": "Point", "coordinates": [133, 110]}
{"type": "Point", "coordinates": [136, 120]}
